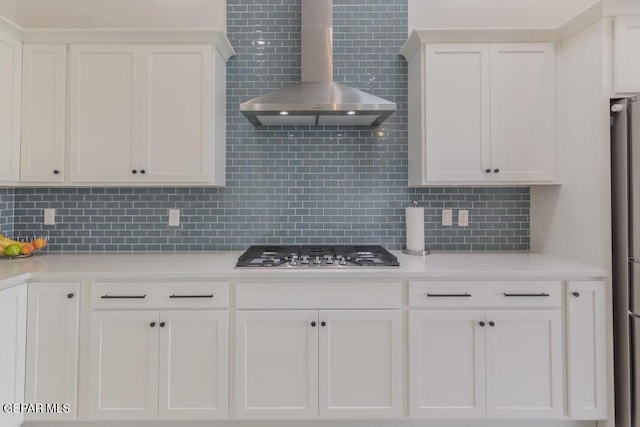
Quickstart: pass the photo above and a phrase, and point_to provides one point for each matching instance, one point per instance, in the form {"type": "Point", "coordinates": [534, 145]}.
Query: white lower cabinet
{"type": "Point", "coordinates": [52, 347]}
{"type": "Point", "coordinates": [524, 364]}
{"type": "Point", "coordinates": [586, 350]}
{"type": "Point", "coordinates": [298, 364]}
{"type": "Point", "coordinates": [447, 364]}
{"type": "Point", "coordinates": [477, 364]}
{"type": "Point", "coordinates": [150, 364]}
{"type": "Point", "coordinates": [13, 324]}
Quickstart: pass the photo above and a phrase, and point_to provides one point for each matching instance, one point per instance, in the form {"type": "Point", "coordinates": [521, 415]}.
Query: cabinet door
{"type": "Point", "coordinates": [123, 365]}
{"type": "Point", "coordinates": [44, 106]}
{"type": "Point", "coordinates": [276, 364]}
{"type": "Point", "coordinates": [523, 112]}
{"type": "Point", "coordinates": [193, 365]}
{"type": "Point", "coordinates": [52, 347]}
{"type": "Point", "coordinates": [446, 364]}
{"type": "Point", "coordinates": [626, 61]}
{"type": "Point", "coordinates": [104, 113]}
{"type": "Point", "coordinates": [177, 113]}
{"type": "Point", "coordinates": [360, 364]}
{"type": "Point", "coordinates": [586, 350]}
{"type": "Point", "coordinates": [524, 364]}
{"type": "Point", "coordinates": [13, 326]}
{"type": "Point", "coordinates": [457, 112]}
{"type": "Point", "coordinates": [10, 98]}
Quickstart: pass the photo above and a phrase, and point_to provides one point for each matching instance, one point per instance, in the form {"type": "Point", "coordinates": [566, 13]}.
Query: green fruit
{"type": "Point", "coordinates": [12, 250]}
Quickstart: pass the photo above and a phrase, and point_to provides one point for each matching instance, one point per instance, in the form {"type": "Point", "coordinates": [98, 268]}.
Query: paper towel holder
{"type": "Point", "coordinates": [423, 252]}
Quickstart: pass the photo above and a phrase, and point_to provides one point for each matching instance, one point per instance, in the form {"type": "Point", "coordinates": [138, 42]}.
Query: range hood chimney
{"type": "Point", "coordinates": [317, 100]}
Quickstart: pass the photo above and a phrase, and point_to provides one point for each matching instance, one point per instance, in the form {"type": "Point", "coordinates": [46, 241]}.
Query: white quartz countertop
{"type": "Point", "coordinates": [220, 265]}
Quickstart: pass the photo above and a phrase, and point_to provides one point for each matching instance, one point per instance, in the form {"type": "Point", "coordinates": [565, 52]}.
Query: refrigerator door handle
{"type": "Point", "coordinates": [632, 314]}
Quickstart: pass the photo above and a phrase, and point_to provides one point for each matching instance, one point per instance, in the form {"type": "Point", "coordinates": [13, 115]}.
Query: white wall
{"type": "Point", "coordinates": [574, 219]}
{"type": "Point", "coordinates": [493, 13]}
{"type": "Point", "coordinates": [121, 13]}
{"type": "Point", "coordinates": [8, 9]}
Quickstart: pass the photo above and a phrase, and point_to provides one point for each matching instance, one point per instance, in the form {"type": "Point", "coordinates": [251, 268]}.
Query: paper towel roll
{"type": "Point", "coordinates": [415, 228]}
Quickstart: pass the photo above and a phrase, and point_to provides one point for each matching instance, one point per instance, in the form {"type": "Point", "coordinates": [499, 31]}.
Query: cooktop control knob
{"type": "Point", "coordinates": [342, 261]}
{"type": "Point", "coordinates": [328, 259]}
{"type": "Point", "coordinates": [304, 259]}
{"type": "Point", "coordinates": [293, 262]}
{"type": "Point", "coordinates": [317, 260]}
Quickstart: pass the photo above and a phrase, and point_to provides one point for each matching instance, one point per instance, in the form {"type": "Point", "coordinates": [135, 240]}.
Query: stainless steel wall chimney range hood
{"type": "Point", "coordinates": [317, 100]}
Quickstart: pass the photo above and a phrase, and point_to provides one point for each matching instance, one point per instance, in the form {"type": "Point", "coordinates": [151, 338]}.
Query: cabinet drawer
{"type": "Point", "coordinates": [154, 295]}
{"type": "Point", "coordinates": [485, 294]}
{"type": "Point", "coordinates": [318, 295]}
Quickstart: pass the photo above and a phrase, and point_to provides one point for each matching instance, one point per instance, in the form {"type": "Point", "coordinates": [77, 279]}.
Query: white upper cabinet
{"type": "Point", "coordinates": [481, 113]}
{"type": "Point", "coordinates": [626, 60]}
{"type": "Point", "coordinates": [143, 114]}
{"type": "Point", "coordinates": [457, 118]}
{"type": "Point", "coordinates": [176, 113]}
{"type": "Point", "coordinates": [10, 101]}
{"type": "Point", "coordinates": [143, 110]}
{"type": "Point", "coordinates": [104, 112]}
{"type": "Point", "coordinates": [44, 102]}
{"type": "Point", "coordinates": [523, 112]}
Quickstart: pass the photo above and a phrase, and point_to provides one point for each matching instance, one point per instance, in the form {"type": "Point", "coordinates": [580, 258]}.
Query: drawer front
{"type": "Point", "coordinates": [159, 295]}
{"type": "Point", "coordinates": [485, 294]}
{"type": "Point", "coordinates": [318, 295]}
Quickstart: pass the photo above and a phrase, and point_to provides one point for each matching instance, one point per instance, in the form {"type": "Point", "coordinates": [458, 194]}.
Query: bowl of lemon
{"type": "Point", "coordinates": [23, 248]}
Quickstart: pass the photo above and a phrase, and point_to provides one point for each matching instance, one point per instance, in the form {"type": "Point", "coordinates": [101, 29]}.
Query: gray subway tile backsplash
{"type": "Point", "coordinates": [288, 185]}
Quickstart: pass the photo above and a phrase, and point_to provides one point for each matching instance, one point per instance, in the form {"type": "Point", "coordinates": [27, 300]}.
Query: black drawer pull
{"type": "Point", "coordinates": [448, 295]}
{"type": "Point", "coordinates": [191, 296]}
{"type": "Point", "coordinates": [543, 294]}
{"type": "Point", "coordinates": [123, 296]}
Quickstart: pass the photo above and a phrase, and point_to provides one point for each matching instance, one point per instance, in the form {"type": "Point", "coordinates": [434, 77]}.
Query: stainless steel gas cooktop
{"type": "Point", "coordinates": [317, 256]}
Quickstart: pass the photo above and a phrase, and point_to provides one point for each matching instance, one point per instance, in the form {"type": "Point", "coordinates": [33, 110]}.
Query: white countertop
{"type": "Point", "coordinates": [220, 265]}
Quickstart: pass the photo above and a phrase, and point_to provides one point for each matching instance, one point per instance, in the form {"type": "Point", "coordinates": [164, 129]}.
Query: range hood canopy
{"type": "Point", "coordinates": [317, 100]}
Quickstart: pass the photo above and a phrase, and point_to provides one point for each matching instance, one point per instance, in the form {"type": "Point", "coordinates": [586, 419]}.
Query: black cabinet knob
{"type": "Point", "coordinates": [69, 296]}
{"type": "Point", "coordinates": [313, 324]}
{"type": "Point", "coordinates": [143, 171]}
{"type": "Point", "coordinates": [496, 170]}
{"type": "Point", "coordinates": [323, 324]}
{"type": "Point", "coordinates": [575, 294]}
{"type": "Point", "coordinates": [152, 324]}
{"type": "Point", "coordinates": [492, 324]}
{"type": "Point", "coordinates": [481, 323]}
{"type": "Point", "coordinates": [56, 172]}
{"type": "Point", "coordinates": [487, 170]}
{"type": "Point", "coordinates": [134, 171]}
{"type": "Point", "coordinates": [162, 324]}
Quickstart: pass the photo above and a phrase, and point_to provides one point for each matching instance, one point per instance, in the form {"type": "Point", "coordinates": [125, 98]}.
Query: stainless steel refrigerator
{"type": "Point", "coordinates": [625, 181]}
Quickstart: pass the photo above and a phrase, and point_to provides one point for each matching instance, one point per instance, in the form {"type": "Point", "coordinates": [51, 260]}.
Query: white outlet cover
{"type": "Point", "coordinates": [447, 217]}
{"type": "Point", "coordinates": [463, 218]}
{"type": "Point", "coordinates": [49, 216]}
{"type": "Point", "coordinates": [174, 217]}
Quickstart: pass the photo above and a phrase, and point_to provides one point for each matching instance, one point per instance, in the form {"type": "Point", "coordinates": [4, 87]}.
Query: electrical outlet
{"type": "Point", "coordinates": [49, 216]}
{"type": "Point", "coordinates": [463, 218]}
{"type": "Point", "coordinates": [174, 217]}
{"type": "Point", "coordinates": [447, 217]}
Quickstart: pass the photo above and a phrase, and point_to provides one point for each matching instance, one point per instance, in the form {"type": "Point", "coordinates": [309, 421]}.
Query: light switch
{"type": "Point", "coordinates": [447, 217]}
{"type": "Point", "coordinates": [49, 216]}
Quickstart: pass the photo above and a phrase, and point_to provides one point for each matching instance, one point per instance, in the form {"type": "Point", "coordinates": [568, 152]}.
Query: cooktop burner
{"type": "Point", "coordinates": [308, 256]}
